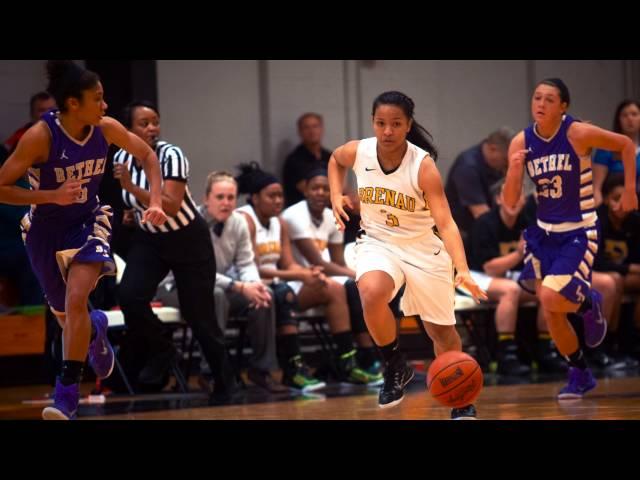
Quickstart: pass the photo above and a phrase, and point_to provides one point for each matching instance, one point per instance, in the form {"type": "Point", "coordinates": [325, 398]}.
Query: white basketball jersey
{"type": "Point", "coordinates": [267, 239]}
{"type": "Point", "coordinates": [302, 225]}
{"type": "Point", "coordinates": [392, 205]}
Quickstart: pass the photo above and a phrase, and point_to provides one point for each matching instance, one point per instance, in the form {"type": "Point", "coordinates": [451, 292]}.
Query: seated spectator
{"type": "Point", "coordinates": [238, 289]}
{"type": "Point", "coordinates": [471, 176]}
{"type": "Point", "coordinates": [626, 121]}
{"type": "Point", "coordinates": [316, 240]}
{"type": "Point", "coordinates": [619, 257]}
{"type": "Point", "coordinates": [307, 156]}
{"type": "Point", "coordinates": [295, 287]}
{"type": "Point", "coordinates": [39, 103]}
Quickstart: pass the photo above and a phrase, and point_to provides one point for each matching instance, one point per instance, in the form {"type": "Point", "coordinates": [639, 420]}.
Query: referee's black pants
{"type": "Point", "coordinates": [188, 253]}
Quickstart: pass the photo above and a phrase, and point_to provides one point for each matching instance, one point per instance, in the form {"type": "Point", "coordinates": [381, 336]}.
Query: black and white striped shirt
{"type": "Point", "coordinates": [174, 166]}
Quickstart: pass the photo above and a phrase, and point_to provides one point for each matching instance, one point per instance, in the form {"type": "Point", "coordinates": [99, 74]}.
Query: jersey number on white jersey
{"type": "Point", "coordinates": [392, 220]}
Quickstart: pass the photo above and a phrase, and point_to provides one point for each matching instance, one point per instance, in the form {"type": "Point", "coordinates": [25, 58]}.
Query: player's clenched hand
{"type": "Point", "coordinates": [338, 203]}
{"type": "Point", "coordinates": [70, 192]}
{"type": "Point", "coordinates": [517, 158]}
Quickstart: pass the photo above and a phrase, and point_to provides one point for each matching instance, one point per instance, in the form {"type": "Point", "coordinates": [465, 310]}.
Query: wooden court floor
{"type": "Point", "coordinates": [613, 399]}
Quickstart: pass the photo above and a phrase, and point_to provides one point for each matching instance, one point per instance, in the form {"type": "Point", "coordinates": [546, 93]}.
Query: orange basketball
{"type": "Point", "coordinates": [454, 379]}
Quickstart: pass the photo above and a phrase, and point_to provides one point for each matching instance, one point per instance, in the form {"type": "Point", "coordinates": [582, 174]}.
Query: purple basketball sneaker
{"type": "Point", "coordinates": [66, 400]}
{"type": "Point", "coordinates": [101, 356]}
{"type": "Point", "coordinates": [595, 325]}
{"type": "Point", "coordinates": [580, 382]}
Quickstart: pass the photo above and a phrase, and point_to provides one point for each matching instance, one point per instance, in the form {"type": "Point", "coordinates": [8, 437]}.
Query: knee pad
{"type": "Point", "coordinates": [285, 302]}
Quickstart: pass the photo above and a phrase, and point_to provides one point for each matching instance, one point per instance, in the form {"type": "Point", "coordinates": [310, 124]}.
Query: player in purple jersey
{"type": "Point", "coordinates": [560, 248]}
{"type": "Point", "coordinates": [67, 231]}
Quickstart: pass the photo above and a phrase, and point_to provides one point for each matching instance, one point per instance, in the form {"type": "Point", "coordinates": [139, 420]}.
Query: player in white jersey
{"type": "Point", "coordinates": [401, 204]}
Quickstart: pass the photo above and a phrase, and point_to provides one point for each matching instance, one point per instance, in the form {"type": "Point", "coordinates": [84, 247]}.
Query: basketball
{"type": "Point", "coordinates": [454, 379]}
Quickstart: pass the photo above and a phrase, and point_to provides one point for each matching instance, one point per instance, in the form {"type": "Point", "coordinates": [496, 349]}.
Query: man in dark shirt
{"type": "Point", "coordinates": [470, 179]}
{"type": "Point", "coordinates": [39, 103]}
{"type": "Point", "coordinates": [307, 156]}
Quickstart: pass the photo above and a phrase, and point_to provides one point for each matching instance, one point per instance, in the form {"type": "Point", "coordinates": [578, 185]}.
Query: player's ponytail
{"type": "Point", "coordinates": [253, 179]}
{"type": "Point", "coordinates": [68, 79]}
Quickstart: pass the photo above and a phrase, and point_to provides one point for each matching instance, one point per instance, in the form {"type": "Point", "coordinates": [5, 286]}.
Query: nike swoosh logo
{"type": "Point", "coordinates": [105, 350]}
{"type": "Point", "coordinates": [369, 169]}
{"type": "Point", "coordinates": [437, 252]}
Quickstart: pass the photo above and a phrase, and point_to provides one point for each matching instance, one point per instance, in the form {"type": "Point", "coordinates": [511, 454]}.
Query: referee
{"type": "Point", "coordinates": [181, 245]}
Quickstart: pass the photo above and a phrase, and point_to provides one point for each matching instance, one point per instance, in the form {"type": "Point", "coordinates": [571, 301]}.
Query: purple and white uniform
{"type": "Point", "coordinates": [561, 247]}
{"type": "Point", "coordinates": [56, 235]}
